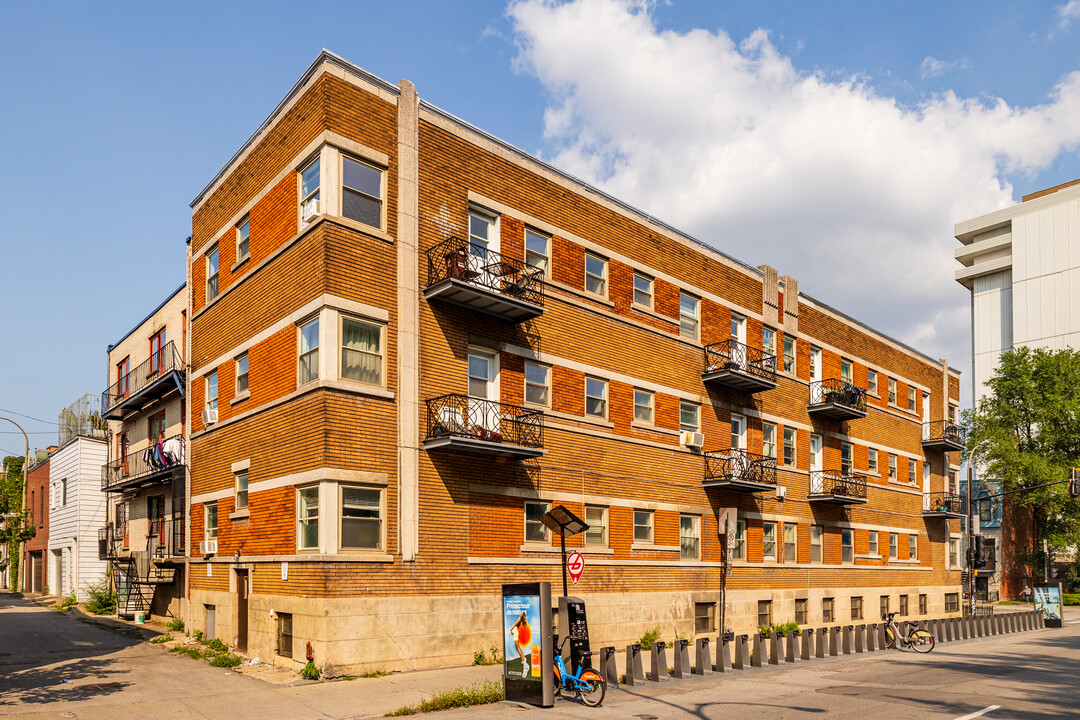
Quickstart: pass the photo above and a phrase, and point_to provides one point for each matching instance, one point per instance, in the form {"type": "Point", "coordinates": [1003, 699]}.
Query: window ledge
{"type": "Point", "coordinates": [584, 294]}
{"type": "Point", "coordinates": [658, 548]}
{"type": "Point", "coordinates": [867, 557]}
{"type": "Point", "coordinates": [240, 397]}
{"type": "Point", "coordinates": [538, 547]}
{"type": "Point", "coordinates": [581, 419]}
{"type": "Point", "coordinates": [361, 227]}
{"type": "Point", "coordinates": [645, 309]}
{"type": "Point", "coordinates": [240, 262]}
{"type": "Point", "coordinates": [653, 428]}
{"type": "Point", "coordinates": [240, 514]}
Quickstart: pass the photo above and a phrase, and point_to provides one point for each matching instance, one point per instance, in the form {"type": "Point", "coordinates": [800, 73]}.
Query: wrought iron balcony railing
{"type": "Point", "coordinates": [471, 275]}
{"type": "Point", "coordinates": [736, 365]}
{"type": "Point", "coordinates": [485, 426]}
{"type": "Point", "coordinates": [737, 468]}
{"type": "Point", "coordinates": [166, 538]}
{"type": "Point", "coordinates": [144, 467]}
{"type": "Point", "coordinates": [837, 398]}
{"type": "Point", "coordinates": [944, 434]}
{"type": "Point", "coordinates": [943, 504]}
{"type": "Point", "coordinates": [139, 381]}
{"type": "Point", "coordinates": [837, 487]}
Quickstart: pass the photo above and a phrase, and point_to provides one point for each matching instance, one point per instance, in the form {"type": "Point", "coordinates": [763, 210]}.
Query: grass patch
{"type": "Point", "coordinates": [372, 674]}
{"type": "Point", "coordinates": [216, 645]}
{"type": "Point", "coordinates": [101, 599]}
{"type": "Point", "coordinates": [1070, 599]}
{"type": "Point", "coordinates": [69, 601]}
{"type": "Point", "coordinates": [167, 637]}
{"type": "Point", "coordinates": [1011, 602]}
{"type": "Point", "coordinates": [225, 660]}
{"type": "Point", "coordinates": [310, 671]}
{"type": "Point", "coordinates": [479, 657]}
{"type": "Point", "coordinates": [192, 652]}
{"type": "Point", "coordinates": [176, 625]}
{"type": "Point", "coordinates": [480, 694]}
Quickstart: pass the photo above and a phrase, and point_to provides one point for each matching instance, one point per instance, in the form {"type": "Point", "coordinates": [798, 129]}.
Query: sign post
{"type": "Point", "coordinates": [560, 520]}
{"type": "Point", "coordinates": [575, 565]}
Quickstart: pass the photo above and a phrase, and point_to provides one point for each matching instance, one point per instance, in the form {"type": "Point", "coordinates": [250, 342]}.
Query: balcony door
{"type": "Point", "coordinates": [157, 351]}
{"type": "Point", "coordinates": [739, 465]}
{"type": "Point", "coordinates": [815, 364]}
{"type": "Point", "coordinates": [926, 407]}
{"type": "Point", "coordinates": [483, 385]}
{"type": "Point", "coordinates": [483, 239]}
{"type": "Point", "coordinates": [738, 334]}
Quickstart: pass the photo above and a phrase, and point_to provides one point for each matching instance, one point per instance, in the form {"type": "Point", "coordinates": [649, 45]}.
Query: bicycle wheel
{"type": "Point", "coordinates": [592, 695]}
{"type": "Point", "coordinates": [890, 638]}
{"type": "Point", "coordinates": [921, 641]}
{"type": "Point", "coordinates": [556, 680]}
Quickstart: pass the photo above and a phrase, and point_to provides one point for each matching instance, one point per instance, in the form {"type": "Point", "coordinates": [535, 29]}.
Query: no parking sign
{"type": "Point", "coordinates": [575, 564]}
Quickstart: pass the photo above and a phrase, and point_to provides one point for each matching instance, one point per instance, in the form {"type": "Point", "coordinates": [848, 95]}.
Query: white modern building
{"type": "Point", "coordinates": [1022, 266]}
{"type": "Point", "coordinates": [77, 509]}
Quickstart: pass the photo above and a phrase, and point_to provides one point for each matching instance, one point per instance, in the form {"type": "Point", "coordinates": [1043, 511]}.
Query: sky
{"type": "Point", "coordinates": [837, 142]}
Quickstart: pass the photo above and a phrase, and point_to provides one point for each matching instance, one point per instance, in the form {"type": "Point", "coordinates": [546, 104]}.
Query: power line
{"type": "Point", "coordinates": [30, 417]}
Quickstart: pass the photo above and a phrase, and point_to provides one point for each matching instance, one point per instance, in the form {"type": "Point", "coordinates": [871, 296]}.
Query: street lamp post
{"type": "Point", "coordinates": [22, 501]}
{"type": "Point", "coordinates": [969, 552]}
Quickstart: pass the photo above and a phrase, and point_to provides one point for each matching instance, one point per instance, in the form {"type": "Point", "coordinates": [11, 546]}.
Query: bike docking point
{"type": "Point", "coordinates": [791, 641]}
{"type": "Point", "coordinates": [820, 645]}
{"type": "Point", "coordinates": [807, 643]}
{"type": "Point", "coordinates": [682, 659]}
{"type": "Point", "coordinates": [775, 649]}
{"type": "Point", "coordinates": [610, 667]}
{"type": "Point", "coordinates": [759, 650]}
{"type": "Point", "coordinates": [659, 662]}
{"type": "Point", "coordinates": [871, 637]}
{"type": "Point", "coordinates": [860, 639]}
{"type": "Point", "coordinates": [703, 664]}
{"type": "Point", "coordinates": [834, 641]}
{"type": "Point", "coordinates": [723, 653]}
{"type": "Point", "coordinates": [634, 673]}
{"type": "Point", "coordinates": [742, 653]}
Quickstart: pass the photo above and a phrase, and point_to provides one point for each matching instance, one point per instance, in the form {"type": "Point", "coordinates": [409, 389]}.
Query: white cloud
{"type": "Point", "coordinates": [1068, 12]}
{"type": "Point", "coordinates": [843, 188]}
{"type": "Point", "coordinates": [931, 67]}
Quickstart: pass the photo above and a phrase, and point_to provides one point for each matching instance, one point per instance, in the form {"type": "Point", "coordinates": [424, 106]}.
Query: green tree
{"type": "Point", "coordinates": [19, 527]}
{"type": "Point", "coordinates": [1026, 432]}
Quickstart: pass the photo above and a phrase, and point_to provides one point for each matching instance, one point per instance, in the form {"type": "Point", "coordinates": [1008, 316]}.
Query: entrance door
{"type": "Point", "coordinates": [926, 484]}
{"type": "Point", "coordinates": [483, 241]}
{"type": "Point", "coordinates": [156, 516]}
{"type": "Point", "coordinates": [815, 364]}
{"type": "Point", "coordinates": [242, 590]}
{"type": "Point", "coordinates": [35, 572]}
{"type": "Point", "coordinates": [738, 335]}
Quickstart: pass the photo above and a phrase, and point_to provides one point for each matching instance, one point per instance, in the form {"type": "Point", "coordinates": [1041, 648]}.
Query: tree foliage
{"type": "Point", "coordinates": [20, 528]}
{"type": "Point", "coordinates": [1026, 432]}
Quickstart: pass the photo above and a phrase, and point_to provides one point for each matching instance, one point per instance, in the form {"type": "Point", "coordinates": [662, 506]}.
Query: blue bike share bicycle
{"type": "Point", "coordinates": [587, 683]}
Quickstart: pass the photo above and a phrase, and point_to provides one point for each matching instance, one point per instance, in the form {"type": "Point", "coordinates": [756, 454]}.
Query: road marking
{"type": "Point", "coordinates": [980, 713]}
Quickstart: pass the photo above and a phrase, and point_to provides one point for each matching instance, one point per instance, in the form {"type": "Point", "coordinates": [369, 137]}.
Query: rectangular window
{"type": "Point", "coordinates": [643, 290]}
{"type": "Point", "coordinates": [817, 532]}
{"type": "Point", "coordinates": [704, 617]}
{"type": "Point", "coordinates": [739, 551]}
{"type": "Point", "coordinates": [827, 610]}
{"type": "Point", "coordinates": [952, 413]}
{"type": "Point", "coordinates": [361, 352]}
{"type": "Point", "coordinates": [535, 530]}
{"type": "Point", "coordinates": [789, 354]}
{"type": "Point", "coordinates": [871, 382]}
{"type": "Point", "coordinates": [284, 634]}
{"type": "Point", "coordinates": [307, 518]}
{"type": "Point", "coordinates": [537, 250]}
{"type": "Point", "coordinates": [210, 521]}
{"type": "Point", "coordinates": [688, 416]}
{"type": "Point", "coordinates": [764, 613]}
{"type": "Point", "coordinates": [894, 546]}
{"type": "Point", "coordinates": [596, 397]}
{"type": "Point", "coordinates": [242, 374]}
{"type": "Point", "coordinates": [361, 518]}
{"type": "Point", "coordinates": [309, 190]}
{"type": "Point", "coordinates": [211, 392]}
{"type": "Point", "coordinates": [768, 341]}
{"type": "Point", "coordinates": [922, 604]}
{"type": "Point", "coordinates": [243, 248]}
{"type": "Point", "coordinates": [871, 460]}
{"type": "Point", "coordinates": [768, 440]}
{"type": "Point", "coordinates": [912, 471]}
{"type": "Point", "coordinates": [596, 518]}
{"type": "Point", "coordinates": [892, 467]}
{"type": "Point", "coordinates": [122, 369]}
{"type": "Point", "coordinates": [157, 351]}
{"type": "Point", "coordinates": [815, 362]}
{"type": "Point", "coordinates": [537, 383]}
{"type": "Point", "coordinates": [643, 406]}
{"type": "Point", "coordinates": [212, 262]}
{"type": "Point", "coordinates": [481, 234]}
{"type": "Point", "coordinates": [883, 606]}
{"type": "Point", "coordinates": [847, 370]}
{"type": "Point", "coordinates": [768, 541]}
{"type": "Point", "coordinates": [801, 611]}
{"type": "Point", "coordinates": [309, 351]}
{"type": "Point", "coordinates": [361, 192]}
{"type": "Point", "coordinates": [845, 459]}
{"type": "Point", "coordinates": [952, 602]}
{"type": "Point", "coordinates": [643, 526]}
{"type": "Point", "coordinates": [63, 492]}
{"type": "Point", "coordinates": [892, 391]}
{"type": "Point", "coordinates": [847, 546]}
{"type": "Point", "coordinates": [688, 316]}
{"type": "Point", "coordinates": [954, 554]}
{"type": "Point", "coordinates": [595, 275]}
{"type": "Point", "coordinates": [856, 608]}
{"type": "Point", "coordinates": [904, 605]}
{"type": "Point", "coordinates": [690, 537]}
{"type": "Point", "coordinates": [872, 542]}
{"type": "Point", "coordinates": [241, 491]}
{"type": "Point", "coordinates": [911, 399]}
{"type": "Point", "coordinates": [913, 547]}
{"type": "Point", "coordinates": [789, 446]}
{"type": "Point", "coordinates": [790, 552]}
{"type": "Point", "coordinates": [738, 328]}
{"type": "Point", "coordinates": [156, 427]}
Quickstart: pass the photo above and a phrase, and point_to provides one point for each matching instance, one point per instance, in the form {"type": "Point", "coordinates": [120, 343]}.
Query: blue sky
{"type": "Point", "coordinates": [117, 115]}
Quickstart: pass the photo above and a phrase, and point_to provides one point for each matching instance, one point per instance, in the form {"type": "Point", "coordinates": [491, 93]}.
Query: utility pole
{"type": "Point", "coordinates": [22, 500]}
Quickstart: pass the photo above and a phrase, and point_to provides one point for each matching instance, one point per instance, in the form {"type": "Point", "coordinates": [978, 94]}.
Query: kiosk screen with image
{"type": "Point", "coordinates": [527, 650]}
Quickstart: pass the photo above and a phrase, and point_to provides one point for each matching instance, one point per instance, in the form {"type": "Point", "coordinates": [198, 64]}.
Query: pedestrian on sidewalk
{"type": "Point", "coordinates": [1026, 593]}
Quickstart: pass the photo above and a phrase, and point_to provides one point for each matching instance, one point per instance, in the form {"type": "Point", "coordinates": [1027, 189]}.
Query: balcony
{"type": "Point", "coordinates": [147, 383]}
{"type": "Point", "coordinates": [733, 365]}
{"type": "Point", "coordinates": [942, 435]}
{"type": "Point", "coordinates": [740, 471]}
{"type": "Point", "coordinates": [837, 399]}
{"type": "Point", "coordinates": [836, 489]}
{"type": "Point", "coordinates": [942, 505]}
{"type": "Point", "coordinates": [152, 466]}
{"type": "Point", "coordinates": [483, 427]}
{"type": "Point", "coordinates": [475, 277]}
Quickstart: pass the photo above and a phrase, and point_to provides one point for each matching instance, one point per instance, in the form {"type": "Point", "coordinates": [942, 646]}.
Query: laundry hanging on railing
{"type": "Point", "coordinates": [164, 454]}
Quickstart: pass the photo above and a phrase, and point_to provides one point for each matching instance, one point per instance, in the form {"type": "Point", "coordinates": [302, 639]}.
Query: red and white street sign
{"type": "Point", "coordinates": [575, 564]}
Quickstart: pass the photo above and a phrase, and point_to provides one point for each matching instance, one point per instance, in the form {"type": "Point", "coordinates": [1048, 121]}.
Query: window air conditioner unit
{"type": "Point", "coordinates": [311, 209]}
{"type": "Point", "coordinates": [694, 440]}
{"type": "Point", "coordinates": [208, 547]}
{"type": "Point", "coordinates": [209, 417]}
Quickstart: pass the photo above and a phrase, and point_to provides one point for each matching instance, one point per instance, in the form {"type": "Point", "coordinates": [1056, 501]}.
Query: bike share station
{"type": "Point", "coordinates": [529, 647]}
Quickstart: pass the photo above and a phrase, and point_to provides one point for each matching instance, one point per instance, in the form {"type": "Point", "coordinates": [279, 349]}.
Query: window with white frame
{"type": "Point", "coordinates": [307, 518]}
{"type": "Point", "coordinates": [242, 374]}
{"type": "Point", "coordinates": [535, 530]}
{"type": "Point", "coordinates": [815, 362]}
{"type": "Point", "coordinates": [892, 391]}
{"type": "Point", "coordinates": [212, 262]}
{"type": "Point", "coordinates": [894, 546]}
{"type": "Point", "coordinates": [739, 551]}
{"type": "Point", "coordinates": [643, 290]}
{"type": "Point", "coordinates": [241, 498]}
{"type": "Point", "coordinates": [596, 517]}
{"type": "Point", "coordinates": [243, 247]}
{"type": "Point", "coordinates": [872, 542]}
{"type": "Point", "coordinates": [954, 553]}
{"type": "Point", "coordinates": [847, 370]}
{"type": "Point", "coordinates": [537, 250]}
{"type": "Point", "coordinates": [768, 439]}
{"type": "Point", "coordinates": [361, 351]}
{"type": "Point", "coordinates": [871, 460]}
{"type": "Point", "coordinates": [912, 471]}
{"type": "Point", "coordinates": [926, 475]}
{"type": "Point", "coordinates": [768, 341]}
{"type": "Point", "coordinates": [768, 541]}
{"type": "Point", "coordinates": [789, 354]}
{"type": "Point", "coordinates": [911, 399]}
{"type": "Point", "coordinates": [309, 190]}
{"type": "Point", "coordinates": [596, 397]}
{"type": "Point", "coordinates": [913, 546]}
{"type": "Point", "coordinates": [952, 413]}
{"type": "Point", "coordinates": [892, 467]}
{"type": "Point", "coordinates": [212, 392]}
{"type": "Point", "coordinates": [361, 518]}
{"type": "Point", "coordinates": [643, 406]}
{"type": "Point", "coordinates": [537, 383]}
{"type": "Point", "coordinates": [738, 328]}
{"type": "Point", "coordinates": [688, 315]}
{"type": "Point", "coordinates": [210, 521]}
{"type": "Point", "coordinates": [643, 526]}
{"type": "Point", "coordinates": [690, 537]}
{"type": "Point", "coordinates": [847, 546]}
{"type": "Point", "coordinates": [64, 494]}
{"type": "Point", "coordinates": [871, 382]}
{"type": "Point", "coordinates": [361, 192]}
{"type": "Point", "coordinates": [789, 446]}
{"type": "Point", "coordinates": [845, 459]}
{"type": "Point", "coordinates": [817, 533]}
{"type": "Point", "coordinates": [790, 553]}
{"type": "Point", "coordinates": [689, 416]}
{"type": "Point", "coordinates": [595, 275]}
{"type": "Point", "coordinates": [308, 350]}
{"type": "Point", "coordinates": [481, 232]}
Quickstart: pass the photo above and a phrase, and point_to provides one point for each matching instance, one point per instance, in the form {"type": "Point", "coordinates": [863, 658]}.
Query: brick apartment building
{"type": "Point", "coordinates": [409, 339]}
{"type": "Point", "coordinates": [145, 477]}
{"type": "Point", "coordinates": [36, 551]}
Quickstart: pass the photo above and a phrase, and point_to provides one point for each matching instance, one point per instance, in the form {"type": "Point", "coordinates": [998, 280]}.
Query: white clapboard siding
{"type": "Point", "coordinates": [74, 525]}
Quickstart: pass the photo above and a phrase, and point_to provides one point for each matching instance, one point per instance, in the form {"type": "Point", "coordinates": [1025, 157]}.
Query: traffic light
{"type": "Point", "coordinates": [980, 560]}
{"type": "Point", "coordinates": [1074, 483]}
